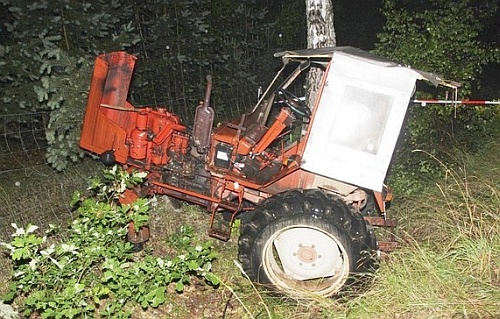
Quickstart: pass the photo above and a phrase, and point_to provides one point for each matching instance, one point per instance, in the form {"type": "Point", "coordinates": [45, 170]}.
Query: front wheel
{"type": "Point", "coordinates": [306, 243]}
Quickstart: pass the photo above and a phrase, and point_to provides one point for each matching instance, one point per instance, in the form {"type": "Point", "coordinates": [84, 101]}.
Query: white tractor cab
{"type": "Point", "coordinates": [356, 120]}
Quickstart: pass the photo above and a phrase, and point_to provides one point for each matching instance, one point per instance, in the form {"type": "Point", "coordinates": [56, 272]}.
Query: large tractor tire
{"type": "Point", "coordinates": [306, 243]}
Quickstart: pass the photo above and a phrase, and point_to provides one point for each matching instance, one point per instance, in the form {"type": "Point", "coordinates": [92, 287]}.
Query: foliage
{"type": "Point", "coordinates": [46, 46]}
{"type": "Point", "coordinates": [441, 36]}
{"type": "Point", "coordinates": [93, 273]}
{"type": "Point", "coordinates": [419, 282]}
{"type": "Point", "coordinates": [63, 130]}
{"type": "Point", "coordinates": [35, 35]}
{"type": "Point", "coordinates": [290, 29]}
{"type": "Point", "coordinates": [447, 264]}
{"type": "Point", "coordinates": [444, 37]}
{"type": "Point", "coordinates": [183, 41]}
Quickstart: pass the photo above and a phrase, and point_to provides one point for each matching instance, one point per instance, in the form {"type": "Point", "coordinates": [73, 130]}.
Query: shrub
{"type": "Point", "coordinates": [91, 271]}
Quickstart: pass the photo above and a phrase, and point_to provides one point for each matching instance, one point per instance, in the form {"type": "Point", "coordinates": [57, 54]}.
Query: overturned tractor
{"type": "Point", "coordinates": [306, 178]}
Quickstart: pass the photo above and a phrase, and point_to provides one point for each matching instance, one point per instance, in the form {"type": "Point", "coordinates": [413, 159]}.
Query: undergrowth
{"type": "Point", "coordinates": [447, 264]}
{"type": "Point", "coordinates": [92, 271]}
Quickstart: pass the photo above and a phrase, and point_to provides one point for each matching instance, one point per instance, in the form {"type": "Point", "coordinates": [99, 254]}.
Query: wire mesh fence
{"type": "Point", "coordinates": [22, 140]}
{"type": "Point", "coordinates": [31, 192]}
{"type": "Point", "coordinates": [40, 196]}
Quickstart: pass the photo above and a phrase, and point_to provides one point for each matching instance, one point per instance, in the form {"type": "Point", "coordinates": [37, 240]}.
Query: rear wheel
{"type": "Point", "coordinates": [306, 243]}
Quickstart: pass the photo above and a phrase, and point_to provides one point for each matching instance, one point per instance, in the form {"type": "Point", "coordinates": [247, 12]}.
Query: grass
{"type": "Point", "coordinates": [448, 264]}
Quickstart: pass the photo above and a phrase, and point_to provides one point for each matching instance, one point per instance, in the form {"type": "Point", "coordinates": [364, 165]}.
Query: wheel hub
{"type": "Point", "coordinates": [307, 253]}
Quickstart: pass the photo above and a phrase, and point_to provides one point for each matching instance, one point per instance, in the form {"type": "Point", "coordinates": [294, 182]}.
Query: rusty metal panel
{"type": "Point", "coordinates": [105, 128]}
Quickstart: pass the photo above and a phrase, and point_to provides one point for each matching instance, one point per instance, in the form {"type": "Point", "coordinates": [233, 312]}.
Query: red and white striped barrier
{"type": "Point", "coordinates": [475, 102]}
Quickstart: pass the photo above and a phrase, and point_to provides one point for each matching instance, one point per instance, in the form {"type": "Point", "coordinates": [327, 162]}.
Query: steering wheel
{"type": "Point", "coordinates": [294, 103]}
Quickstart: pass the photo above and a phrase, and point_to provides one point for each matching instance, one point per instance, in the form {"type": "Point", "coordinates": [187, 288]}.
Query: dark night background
{"type": "Point", "coordinates": [47, 50]}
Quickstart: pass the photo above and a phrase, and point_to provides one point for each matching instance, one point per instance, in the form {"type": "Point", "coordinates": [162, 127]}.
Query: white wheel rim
{"type": "Point", "coordinates": [305, 259]}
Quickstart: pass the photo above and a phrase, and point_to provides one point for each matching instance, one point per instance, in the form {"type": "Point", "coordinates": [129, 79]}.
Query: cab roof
{"type": "Point", "coordinates": [327, 53]}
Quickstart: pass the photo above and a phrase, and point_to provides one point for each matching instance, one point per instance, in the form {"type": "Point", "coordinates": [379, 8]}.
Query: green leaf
{"type": "Point", "coordinates": [76, 198]}
{"type": "Point", "coordinates": [193, 265]}
{"type": "Point", "coordinates": [159, 297]}
{"type": "Point", "coordinates": [179, 286]}
{"type": "Point", "coordinates": [41, 93]}
{"type": "Point", "coordinates": [8, 297]}
{"type": "Point", "coordinates": [45, 68]}
{"type": "Point", "coordinates": [212, 279]}
{"type": "Point", "coordinates": [53, 38]}
{"type": "Point", "coordinates": [19, 254]}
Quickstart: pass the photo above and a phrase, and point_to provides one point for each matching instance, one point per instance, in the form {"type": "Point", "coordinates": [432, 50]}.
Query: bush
{"type": "Point", "coordinates": [91, 271]}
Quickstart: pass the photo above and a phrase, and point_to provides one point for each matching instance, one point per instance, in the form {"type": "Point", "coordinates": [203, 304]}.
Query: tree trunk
{"type": "Point", "coordinates": [320, 34]}
{"type": "Point", "coordinates": [320, 30]}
